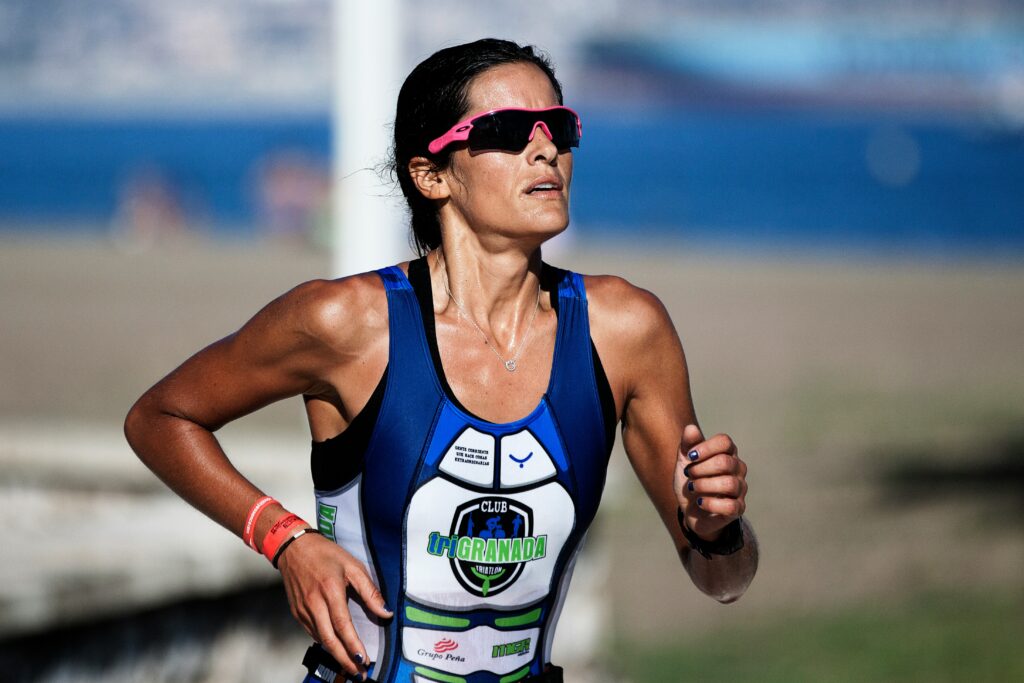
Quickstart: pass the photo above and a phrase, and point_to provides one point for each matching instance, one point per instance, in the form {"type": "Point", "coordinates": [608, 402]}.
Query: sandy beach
{"type": "Point", "coordinates": [879, 406]}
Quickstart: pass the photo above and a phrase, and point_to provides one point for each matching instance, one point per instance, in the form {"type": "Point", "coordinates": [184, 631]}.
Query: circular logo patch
{"type": "Point", "coordinates": [493, 541]}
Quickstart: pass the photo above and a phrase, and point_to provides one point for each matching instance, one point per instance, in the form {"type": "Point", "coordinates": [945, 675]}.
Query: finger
{"type": "Point", "coordinates": [686, 453]}
{"type": "Point", "coordinates": [720, 463]}
{"type": "Point", "coordinates": [298, 609]}
{"type": "Point", "coordinates": [726, 507]}
{"type": "Point", "coordinates": [369, 594]}
{"type": "Point", "coordinates": [719, 443]}
{"type": "Point", "coordinates": [325, 635]}
{"type": "Point", "coordinates": [341, 620]}
{"type": "Point", "coordinates": [726, 485]}
{"type": "Point", "coordinates": [691, 437]}
{"type": "Point", "coordinates": [305, 621]}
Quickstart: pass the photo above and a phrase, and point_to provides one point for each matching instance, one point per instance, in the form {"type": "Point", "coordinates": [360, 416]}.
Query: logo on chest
{"type": "Point", "coordinates": [490, 542]}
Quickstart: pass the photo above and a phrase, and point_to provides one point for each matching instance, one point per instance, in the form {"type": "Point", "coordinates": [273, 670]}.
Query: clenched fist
{"type": "Point", "coordinates": [709, 482]}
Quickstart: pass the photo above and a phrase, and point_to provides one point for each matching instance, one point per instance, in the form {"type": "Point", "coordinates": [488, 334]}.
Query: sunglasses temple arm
{"type": "Point", "coordinates": [458, 133]}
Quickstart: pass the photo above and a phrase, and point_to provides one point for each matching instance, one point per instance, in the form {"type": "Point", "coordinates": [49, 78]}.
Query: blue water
{"type": "Point", "coordinates": [805, 179]}
{"type": "Point", "coordinates": [731, 177]}
{"type": "Point", "coordinates": [74, 170]}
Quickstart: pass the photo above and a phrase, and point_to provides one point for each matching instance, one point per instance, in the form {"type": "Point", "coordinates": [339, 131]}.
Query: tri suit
{"type": "Point", "coordinates": [469, 528]}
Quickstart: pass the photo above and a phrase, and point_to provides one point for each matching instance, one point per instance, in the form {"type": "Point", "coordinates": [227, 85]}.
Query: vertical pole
{"type": "Point", "coordinates": [367, 221]}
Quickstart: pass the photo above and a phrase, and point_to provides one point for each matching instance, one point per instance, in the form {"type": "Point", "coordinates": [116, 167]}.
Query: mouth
{"type": "Point", "coordinates": [545, 187]}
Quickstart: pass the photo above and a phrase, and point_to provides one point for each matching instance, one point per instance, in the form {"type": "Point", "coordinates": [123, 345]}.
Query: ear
{"type": "Point", "coordinates": [431, 182]}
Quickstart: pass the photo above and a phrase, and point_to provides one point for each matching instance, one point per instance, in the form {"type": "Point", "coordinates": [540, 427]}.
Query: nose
{"type": "Point", "coordinates": [545, 147]}
{"type": "Point", "coordinates": [547, 131]}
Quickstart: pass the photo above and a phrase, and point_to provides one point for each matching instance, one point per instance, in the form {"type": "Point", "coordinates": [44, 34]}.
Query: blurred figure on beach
{"type": "Point", "coordinates": [293, 197]}
{"type": "Point", "coordinates": [149, 211]}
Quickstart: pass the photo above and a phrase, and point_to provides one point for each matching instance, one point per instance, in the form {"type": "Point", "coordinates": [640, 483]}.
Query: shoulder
{"type": "Point", "coordinates": [343, 313]}
{"type": "Point", "coordinates": [633, 334]}
{"type": "Point", "coordinates": [640, 349]}
{"type": "Point", "coordinates": [620, 308]}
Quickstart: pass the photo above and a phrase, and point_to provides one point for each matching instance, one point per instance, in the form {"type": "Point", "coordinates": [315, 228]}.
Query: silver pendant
{"type": "Point", "coordinates": [510, 365]}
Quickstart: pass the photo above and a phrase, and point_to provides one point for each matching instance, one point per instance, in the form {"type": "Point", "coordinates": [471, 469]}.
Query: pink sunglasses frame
{"type": "Point", "coordinates": [460, 131]}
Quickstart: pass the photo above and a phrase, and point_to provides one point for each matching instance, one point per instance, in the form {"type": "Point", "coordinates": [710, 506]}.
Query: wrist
{"type": "Point", "coordinates": [726, 540]}
{"type": "Point", "coordinates": [277, 528]}
{"type": "Point", "coordinates": [283, 529]}
{"type": "Point", "coordinates": [279, 554]}
{"type": "Point", "coordinates": [712, 538]}
{"type": "Point", "coordinates": [249, 529]}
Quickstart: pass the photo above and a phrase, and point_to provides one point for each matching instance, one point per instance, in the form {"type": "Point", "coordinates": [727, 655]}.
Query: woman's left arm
{"type": "Point", "coordinates": [698, 485]}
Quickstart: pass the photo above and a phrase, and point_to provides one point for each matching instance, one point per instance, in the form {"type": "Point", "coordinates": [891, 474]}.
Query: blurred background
{"type": "Point", "coordinates": [828, 196]}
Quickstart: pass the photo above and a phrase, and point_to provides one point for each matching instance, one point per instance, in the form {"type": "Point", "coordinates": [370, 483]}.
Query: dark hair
{"type": "Point", "coordinates": [434, 98]}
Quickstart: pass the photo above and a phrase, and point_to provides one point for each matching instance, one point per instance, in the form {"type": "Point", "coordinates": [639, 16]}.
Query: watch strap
{"type": "Point", "coordinates": [730, 540]}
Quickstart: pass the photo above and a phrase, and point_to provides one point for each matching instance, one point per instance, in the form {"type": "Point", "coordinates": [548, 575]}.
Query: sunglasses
{"type": "Point", "coordinates": [511, 129]}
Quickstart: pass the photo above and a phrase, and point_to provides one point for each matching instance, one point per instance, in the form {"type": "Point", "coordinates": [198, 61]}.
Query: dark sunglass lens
{"type": "Point", "coordinates": [510, 130]}
{"type": "Point", "coordinates": [504, 130]}
{"type": "Point", "coordinates": [564, 129]}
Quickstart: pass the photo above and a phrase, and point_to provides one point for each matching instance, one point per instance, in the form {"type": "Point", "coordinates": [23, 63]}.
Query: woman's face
{"type": "Point", "coordinates": [490, 190]}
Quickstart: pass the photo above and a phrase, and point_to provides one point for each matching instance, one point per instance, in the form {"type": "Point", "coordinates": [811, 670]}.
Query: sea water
{"type": "Point", "coordinates": [876, 181]}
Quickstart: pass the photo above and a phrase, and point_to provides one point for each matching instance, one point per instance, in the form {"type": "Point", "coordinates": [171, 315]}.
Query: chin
{"type": "Point", "coordinates": [537, 226]}
{"type": "Point", "coordinates": [552, 221]}
{"type": "Point", "coordinates": [546, 232]}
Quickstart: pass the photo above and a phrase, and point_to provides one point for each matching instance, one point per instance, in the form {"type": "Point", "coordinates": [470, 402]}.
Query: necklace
{"type": "Point", "coordinates": [510, 363]}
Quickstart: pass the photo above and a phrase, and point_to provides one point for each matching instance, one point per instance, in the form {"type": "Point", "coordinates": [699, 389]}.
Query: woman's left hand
{"type": "Point", "coordinates": [710, 482]}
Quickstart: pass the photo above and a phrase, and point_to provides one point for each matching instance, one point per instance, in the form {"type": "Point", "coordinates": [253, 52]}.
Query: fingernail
{"type": "Point", "coordinates": [689, 485]}
{"type": "Point", "coordinates": [686, 471]}
{"type": "Point", "coordinates": [692, 455]}
{"type": "Point", "coordinates": [358, 657]}
{"type": "Point", "coordinates": [700, 501]}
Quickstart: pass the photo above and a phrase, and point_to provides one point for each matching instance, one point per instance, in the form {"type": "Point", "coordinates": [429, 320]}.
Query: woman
{"type": "Point", "coordinates": [462, 405]}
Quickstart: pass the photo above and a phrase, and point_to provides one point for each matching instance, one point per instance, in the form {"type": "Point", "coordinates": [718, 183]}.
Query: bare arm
{"type": "Point", "coordinates": [659, 429]}
{"type": "Point", "coordinates": [291, 347]}
{"type": "Point", "coordinates": [277, 354]}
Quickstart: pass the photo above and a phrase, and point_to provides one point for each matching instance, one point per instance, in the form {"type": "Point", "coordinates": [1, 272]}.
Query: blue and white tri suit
{"type": "Point", "coordinates": [470, 528]}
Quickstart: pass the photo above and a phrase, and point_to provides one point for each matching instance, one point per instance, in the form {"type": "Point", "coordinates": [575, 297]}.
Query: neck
{"type": "Point", "coordinates": [497, 289]}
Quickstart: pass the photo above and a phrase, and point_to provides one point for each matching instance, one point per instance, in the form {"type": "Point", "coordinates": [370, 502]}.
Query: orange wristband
{"type": "Point", "coordinates": [249, 530]}
{"type": "Point", "coordinates": [282, 530]}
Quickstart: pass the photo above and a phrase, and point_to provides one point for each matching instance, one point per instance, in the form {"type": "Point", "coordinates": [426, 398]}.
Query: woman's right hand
{"type": "Point", "coordinates": [318, 575]}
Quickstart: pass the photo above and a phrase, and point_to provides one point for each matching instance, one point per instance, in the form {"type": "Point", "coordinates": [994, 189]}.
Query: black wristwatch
{"type": "Point", "coordinates": [729, 542]}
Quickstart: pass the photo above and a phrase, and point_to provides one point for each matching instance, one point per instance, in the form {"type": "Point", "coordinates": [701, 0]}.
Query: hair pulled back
{"type": "Point", "coordinates": [434, 97]}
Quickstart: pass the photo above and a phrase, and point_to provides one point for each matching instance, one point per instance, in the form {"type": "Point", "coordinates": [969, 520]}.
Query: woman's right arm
{"type": "Point", "coordinates": [304, 342]}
